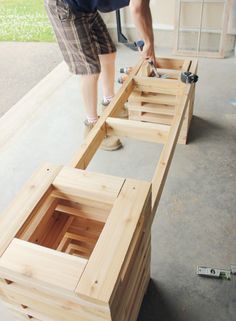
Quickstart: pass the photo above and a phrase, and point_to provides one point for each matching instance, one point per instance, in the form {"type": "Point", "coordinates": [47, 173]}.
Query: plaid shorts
{"type": "Point", "coordinates": [81, 37]}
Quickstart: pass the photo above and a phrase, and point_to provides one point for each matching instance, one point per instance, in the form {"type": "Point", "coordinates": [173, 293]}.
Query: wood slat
{"type": "Point", "coordinates": [153, 108]}
{"type": "Point", "coordinates": [152, 118]}
{"type": "Point", "coordinates": [87, 151]}
{"type": "Point", "coordinates": [155, 98]}
{"type": "Point", "coordinates": [100, 276]}
{"type": "Point", "coordinates": [91, 213]}
{"type": "Point", "coordinates": [36, 188]}
{"type": "Point", "coordinates": [137, 130]}
{"type": "Point", "coordinates": [157, 85]}
{"type": "Point", "coordinates": [38, 216]}
{"type": "Point", "coordinates": [165, 159]}
{"type": "Point", "coordinates": [42, 264]}
{"type": "Point", "coordinates": [86, 188]}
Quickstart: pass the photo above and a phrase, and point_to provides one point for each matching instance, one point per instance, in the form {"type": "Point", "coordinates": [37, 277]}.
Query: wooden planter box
{"type": "Point", "coordinates": [156, 104]}
{"type": "Point", "coordinates": [79, 249]}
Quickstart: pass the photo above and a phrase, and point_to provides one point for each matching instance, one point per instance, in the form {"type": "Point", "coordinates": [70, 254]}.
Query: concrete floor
{"type": "Point", "coordinates": [195, 222]}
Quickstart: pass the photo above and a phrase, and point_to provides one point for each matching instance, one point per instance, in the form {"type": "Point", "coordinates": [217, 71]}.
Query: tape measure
{"type": "Point", "coordinates": [188, 77]}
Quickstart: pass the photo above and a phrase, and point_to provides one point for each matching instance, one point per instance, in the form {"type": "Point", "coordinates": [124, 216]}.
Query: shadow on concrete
{"type": "Point", "coordinates": [155, 306]}
{"type": "Point", "coordinates": [201, 129]}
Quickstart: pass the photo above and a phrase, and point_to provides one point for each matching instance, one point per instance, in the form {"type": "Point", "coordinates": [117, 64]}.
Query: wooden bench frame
{"type": "Point", "coordinates": [106, 278]}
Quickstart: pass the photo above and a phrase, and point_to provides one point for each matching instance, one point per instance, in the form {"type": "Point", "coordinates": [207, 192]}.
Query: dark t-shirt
{"type": "Point", "coordinates": [93, 5]}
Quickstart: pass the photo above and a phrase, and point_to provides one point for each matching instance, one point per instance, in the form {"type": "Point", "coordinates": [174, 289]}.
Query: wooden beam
{"type": "Point", "coordinates": [86, 188]}
{"type": "Point", "coordinates": [153, 108]}
{"type": "Point", "coordinates": [42, 264]}
{"type": "Point", "coordinates": [92, 143]}
{"type": "Point", "coordinates": [35, 190]}
{"type": "Point", "coordinates": [154, 98]}
{"type": "Point", "coordinates": [137, 130]}
{"type": "Point", "coordinates": [163, 165]}
{"type": "Point", "coordinates": [157, 85]}
{"type": "Point", "coordinates": [101, 274]}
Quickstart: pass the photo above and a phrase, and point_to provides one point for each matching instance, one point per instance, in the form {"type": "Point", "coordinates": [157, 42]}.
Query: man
{"type": "Point", "coordinates": [88, 50]}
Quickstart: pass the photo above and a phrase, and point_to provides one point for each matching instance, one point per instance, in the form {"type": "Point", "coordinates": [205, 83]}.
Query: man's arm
{"type": "Point", "coordinates": [142, 17]}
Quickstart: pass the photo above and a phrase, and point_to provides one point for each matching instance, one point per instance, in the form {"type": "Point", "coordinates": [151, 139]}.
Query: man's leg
{"type": "Point", "coordinates": [89, 85]}
{"type": "Point", "coordinates": [107, 62]}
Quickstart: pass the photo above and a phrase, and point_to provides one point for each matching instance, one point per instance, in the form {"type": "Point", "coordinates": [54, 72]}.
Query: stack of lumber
{"type": "Point", "coordinates": [154, 104]}
{"type": "Point", "coordinates": [79, 249]}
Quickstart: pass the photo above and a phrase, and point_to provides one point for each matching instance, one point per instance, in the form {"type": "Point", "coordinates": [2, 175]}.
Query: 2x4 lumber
{"type": "Point", "coordinates": [24, 313]}
{"type": "Point", "coordinates": [131, 268]}
{"type": "Point", "coordinates": [42, 264]}
{"type": "Point", "coordinates": [157, 85]}
{"type": "Point", "coordinates": [85, 187]}
{"type": "Point", "coordinates": [43, 229]}
{"type": "Point", "coordinates": [35, 190]}
{"type": "Point", "coordinates": [56, 233]}
{"type": "Point", "coordinates": [138, 130]}
{"type": "Point", "coordinates": [83, 157]}
{"type": "Point", "coordinates": [140, 292]}
{"type": "Point", "coordinates": [155, 98]}
{"type": "Point", "coordinates": [91, 213]}
{"type": "Point", "coordinates": [165, 159]}
{"type": "Point", "coordinates": [129, 295]}
{"type": "Point", "coordinates": [152, 118]}
{"type": "Point", "coordinates": [77, 248]}
{"type": "Point", "coordinates": [167, 153]}
{"type": "Point", "coordinates": [101, 274]}
{"type": "Point", "coordinates": [44, 311]}
{"type": "Point", "coordinates": [137, 250]}
{"type": "Point", "coordinates": [64, 304]}
{"type": "Point", "coordinates": [153, 108]}
{"type": "Point", "coordinates": [40, 215]}
{"type": "Point", "coordinates": [82, 238]}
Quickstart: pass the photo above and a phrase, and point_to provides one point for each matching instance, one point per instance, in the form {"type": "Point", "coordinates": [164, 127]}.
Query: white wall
{"type": "Point", "coordinates": [163, 13]}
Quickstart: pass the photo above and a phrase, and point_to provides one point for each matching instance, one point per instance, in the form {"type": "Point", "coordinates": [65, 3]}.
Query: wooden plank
{"type": "Point", "coordinates": [165, 159]}
{"type": "Point", "coordinates": [157, 85]}
{"type": "Point", "coordinates": [152, 118]}
{"type": "Point", "coordinates": [42, 264]}
{"type": "Point", "coordinates": [155, 99]}
{"type": "Point", "coordinates": [36, 188]}
{"type": "Point", "coordinates": [83, 238]}
{"type": "Point", "coordinates": [84, 212]}
{"type": "Point", "coordinates": [86, 188]}
{"type": "Point", "coordinates": [62, 306]}
{"type": "Point", "coordinates": [136, 294]}
{"type": "Point", "coordinates": [43, 229]}
{"type": "Point", "coordinates": [87, 151]}
{"type": "Point", "coordinates": [153, 108]}
{"type": "Point", "coordinates": [137, 130]}
{"type": "Point", "coordinates": [100, 276]}
{"type": "Point", "coordinates": [53, 237]}
{"type": "Point", "coordinates": [37, 217]}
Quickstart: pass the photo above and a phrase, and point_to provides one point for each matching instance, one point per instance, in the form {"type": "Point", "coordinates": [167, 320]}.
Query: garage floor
{"type": "Point", "coordinates": [195, 223]}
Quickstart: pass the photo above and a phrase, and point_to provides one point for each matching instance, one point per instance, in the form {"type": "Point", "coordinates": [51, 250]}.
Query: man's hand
{"type": "Point", "coordinates": [141, 14]}
{"type": "Point", "coordinates": [148, 53]}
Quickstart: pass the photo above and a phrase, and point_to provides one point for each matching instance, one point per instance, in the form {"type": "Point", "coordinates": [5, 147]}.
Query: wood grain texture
{"type": "Point", "coordinates": [13, 218]}
{"type": "Point", "coordinates": [42, 264]}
